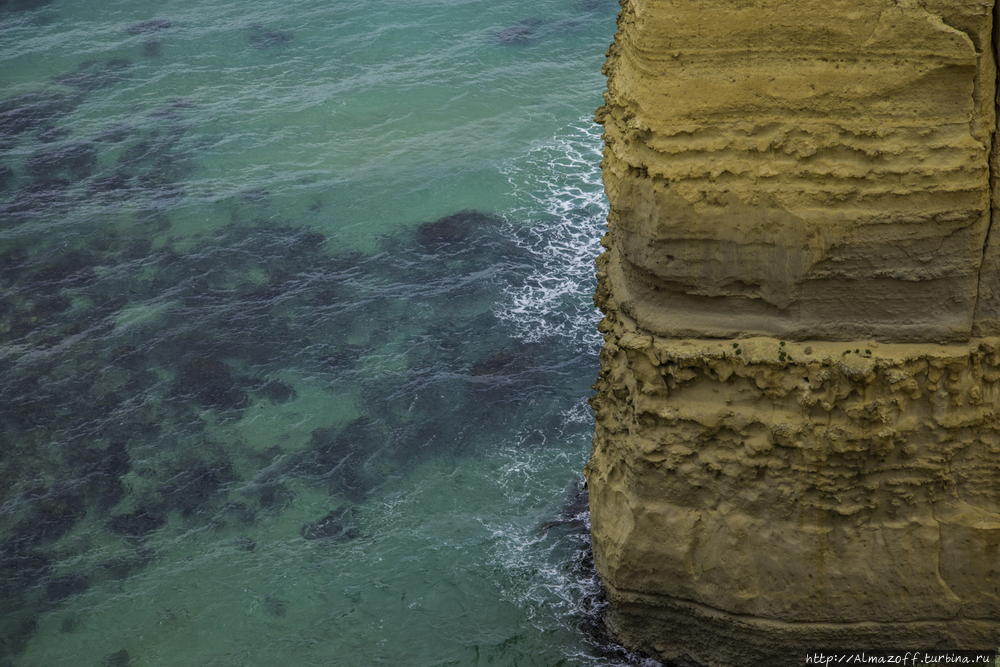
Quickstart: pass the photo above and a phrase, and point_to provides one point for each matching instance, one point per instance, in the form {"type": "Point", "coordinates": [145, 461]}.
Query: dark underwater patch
{"type": "Point", "coordinates": [269, 491]}
{"type": "Point", "coordinates": [211, 384]}
{"type": "Point", "coordinates": [152, 48]}
{"type": "Point", "coordinates": [265, 38]}
{"type": "Point", "coordinates": [60, 588]}
{"type": "Point", "coordinates": [519, 34]}
{"type": "Point", "coordinates": [91, 75]}
{"type": "Point", "coordinates": [46, 197]}
{"type": "Point", "coordinates": [155, 164]}
{"type": "Point", "coordinates": [573, 521]}
{"type": "Point", "coordinates": [244, 543]}
{"type": "Point", "coordinates": [16, 628]}
{"type": "Point", "coordinates": [196, 485]}
{"type": "Point", "coordinates": [503, 362]}
{"type": "Point", "coordinates": [337, 526]}
{"type": "Point", "coordinates": [126, 565]}
{"type": "Point", "coordinates": [112, 184]}
{"type": "Point", "coordinates": [446, 231]}
{"type": "Point", "coordinates": [53, 134]}
{"type": "Point", "coordinates": [21, 113]}
{"type": "Point", "coordinates": [336, 457]}
{"type": "Point", "coordinates": [103, 469]}
{"type": "Point", "coordinates": [255, 194]}
{"type": "Point", "coordinates": [99, 399]}
{"type": "Point", "coordinates": [23, 5]}
{"type": "Point", "coordinates": [149, 26]}
{"type": "Point", "coordinates": [72, 161]}
{"type": "Point", "coordinates": [275, 607]}
{"type": "Point", "coordinates": [51, 514]}
{"type": "Point", "coordinates": [21, 570]}
{"type": "Point", "coordinates": [138, 524]}
{"type": "Point", "coordinates": [114, 133]}
{"type": "Point", "coordinates": [574, 513]}
{"type": "Point", "coordinates": [117, 659]}
{"type": "Point", "coordinates": [71, 268]}
{"type": "Point", "coordinates": [469, 242]}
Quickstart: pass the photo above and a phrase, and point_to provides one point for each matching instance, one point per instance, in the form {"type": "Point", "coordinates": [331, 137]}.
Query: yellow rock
{"type": "Point", "coordinates": [800, 169]}
{"type": "Point", "coordinates": [798, 412]}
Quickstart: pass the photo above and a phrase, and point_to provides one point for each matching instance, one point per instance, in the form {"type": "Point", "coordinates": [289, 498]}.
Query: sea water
{"type": "Point", "coordinates": [296, 331]}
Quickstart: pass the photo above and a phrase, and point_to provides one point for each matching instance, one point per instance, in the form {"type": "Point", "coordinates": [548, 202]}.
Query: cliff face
{"type": "Point", "coordinates": [809, 170]}
{"type": "Point", "coordinates": [798, 412]}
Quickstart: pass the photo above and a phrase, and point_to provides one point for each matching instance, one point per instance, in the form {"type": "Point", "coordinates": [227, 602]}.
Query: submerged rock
{"type": "Point", "coordinates": [335, 526]}
{"type": "Point", "coordinates": [60, 588]}
{"type": "Point", "coordinates": [275, 607]}
{"type": "Point", "coordinates": [23, 5]}
{"type": "Point", "coordinates": [43, 197]}
{"type": "Point", "coordinates": [20, 113]}
{"type": "Point", "coordinates": [53, 134]}
{"type": "Point", "coordinates": [73, 161]}
{"type": "Point", "coordinates": [264, 38]}
{"type": "Point", "coordinates": [124, 566]}
{"type": "Point", "coordinates": [117, 659]}
{"type": "Point", "coordinates": [56, 511]}
{"type": "Point", "coordinates": [114, 133]}
{"type": "Point", "coordinates": [454, 229]}
{"type": "Point", "coordinates": [16, 629]}
{"type": "Point", "coordinates": [195, 485]}
{"type": "Point", "coordinates": [336, 457]}
{"type": "Point", "coordinates": [149, 25]}
{"type": "Point", "coordinates": [522, 32]}
{"type": "Point", "coordinates": [575, 513]}
{"type": "Point", "coordinates": [90, 76]}
{"type": "Point", "coordinates": [211, 384]}
{"type": "Point", "coordinates": [139, 523]}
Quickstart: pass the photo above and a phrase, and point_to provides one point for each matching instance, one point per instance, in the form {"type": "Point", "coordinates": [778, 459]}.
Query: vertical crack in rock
{"type": "Point", "coordinates": [987, 316]}
{"type": "Point", "coordinates": [797, 436]}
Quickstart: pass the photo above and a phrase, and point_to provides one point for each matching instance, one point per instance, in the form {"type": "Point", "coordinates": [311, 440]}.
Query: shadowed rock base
{"type": "Point", "coordinates": [688, 635]}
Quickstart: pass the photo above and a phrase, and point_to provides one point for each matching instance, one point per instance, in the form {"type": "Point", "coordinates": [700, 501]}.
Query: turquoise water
{"type": "Point", "coordinates": [296, 333]}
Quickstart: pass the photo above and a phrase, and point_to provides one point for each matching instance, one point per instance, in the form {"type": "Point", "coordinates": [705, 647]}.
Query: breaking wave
{"type": "Point", "coordinates": [560, 198]}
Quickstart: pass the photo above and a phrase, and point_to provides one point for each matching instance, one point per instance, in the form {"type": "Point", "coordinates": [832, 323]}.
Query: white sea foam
{"type": "Point", "coordinates": [543, 570]}
{"type": "Point", "coordinates": [558, 214]}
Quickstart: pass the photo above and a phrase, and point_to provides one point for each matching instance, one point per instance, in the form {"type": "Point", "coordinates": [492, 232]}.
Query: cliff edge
{"type": "Point", "coordinates": [798, 410]}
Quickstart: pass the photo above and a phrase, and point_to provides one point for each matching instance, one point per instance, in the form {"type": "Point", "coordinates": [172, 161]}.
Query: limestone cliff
{"type": "Point", "coordinates": [814, 170]}
{"type": "Point", "coordinates": [798, 412]}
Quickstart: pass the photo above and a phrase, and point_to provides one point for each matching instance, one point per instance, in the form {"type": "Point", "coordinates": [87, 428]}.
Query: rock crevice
{"type": "Point", "coordinates": [987, 320]}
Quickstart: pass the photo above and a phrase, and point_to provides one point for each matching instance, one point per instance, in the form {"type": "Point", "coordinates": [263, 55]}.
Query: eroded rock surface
{"type": "Point", "coordinates": [802, 169]}
{"type": "Point", "coordinates": [798, 412]}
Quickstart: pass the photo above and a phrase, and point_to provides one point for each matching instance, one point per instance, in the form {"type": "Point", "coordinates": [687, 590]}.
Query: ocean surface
{"type": "Point", "coordinates": [296, 332]}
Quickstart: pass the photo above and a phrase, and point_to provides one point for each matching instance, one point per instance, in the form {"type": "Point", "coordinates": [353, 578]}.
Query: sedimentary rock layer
{"type": "Point", "coordinates": [755, 496]}
{"type": "Point", "coordinates": [798, 411]}
{"type": "Point", "coordinates": [802, 169]}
